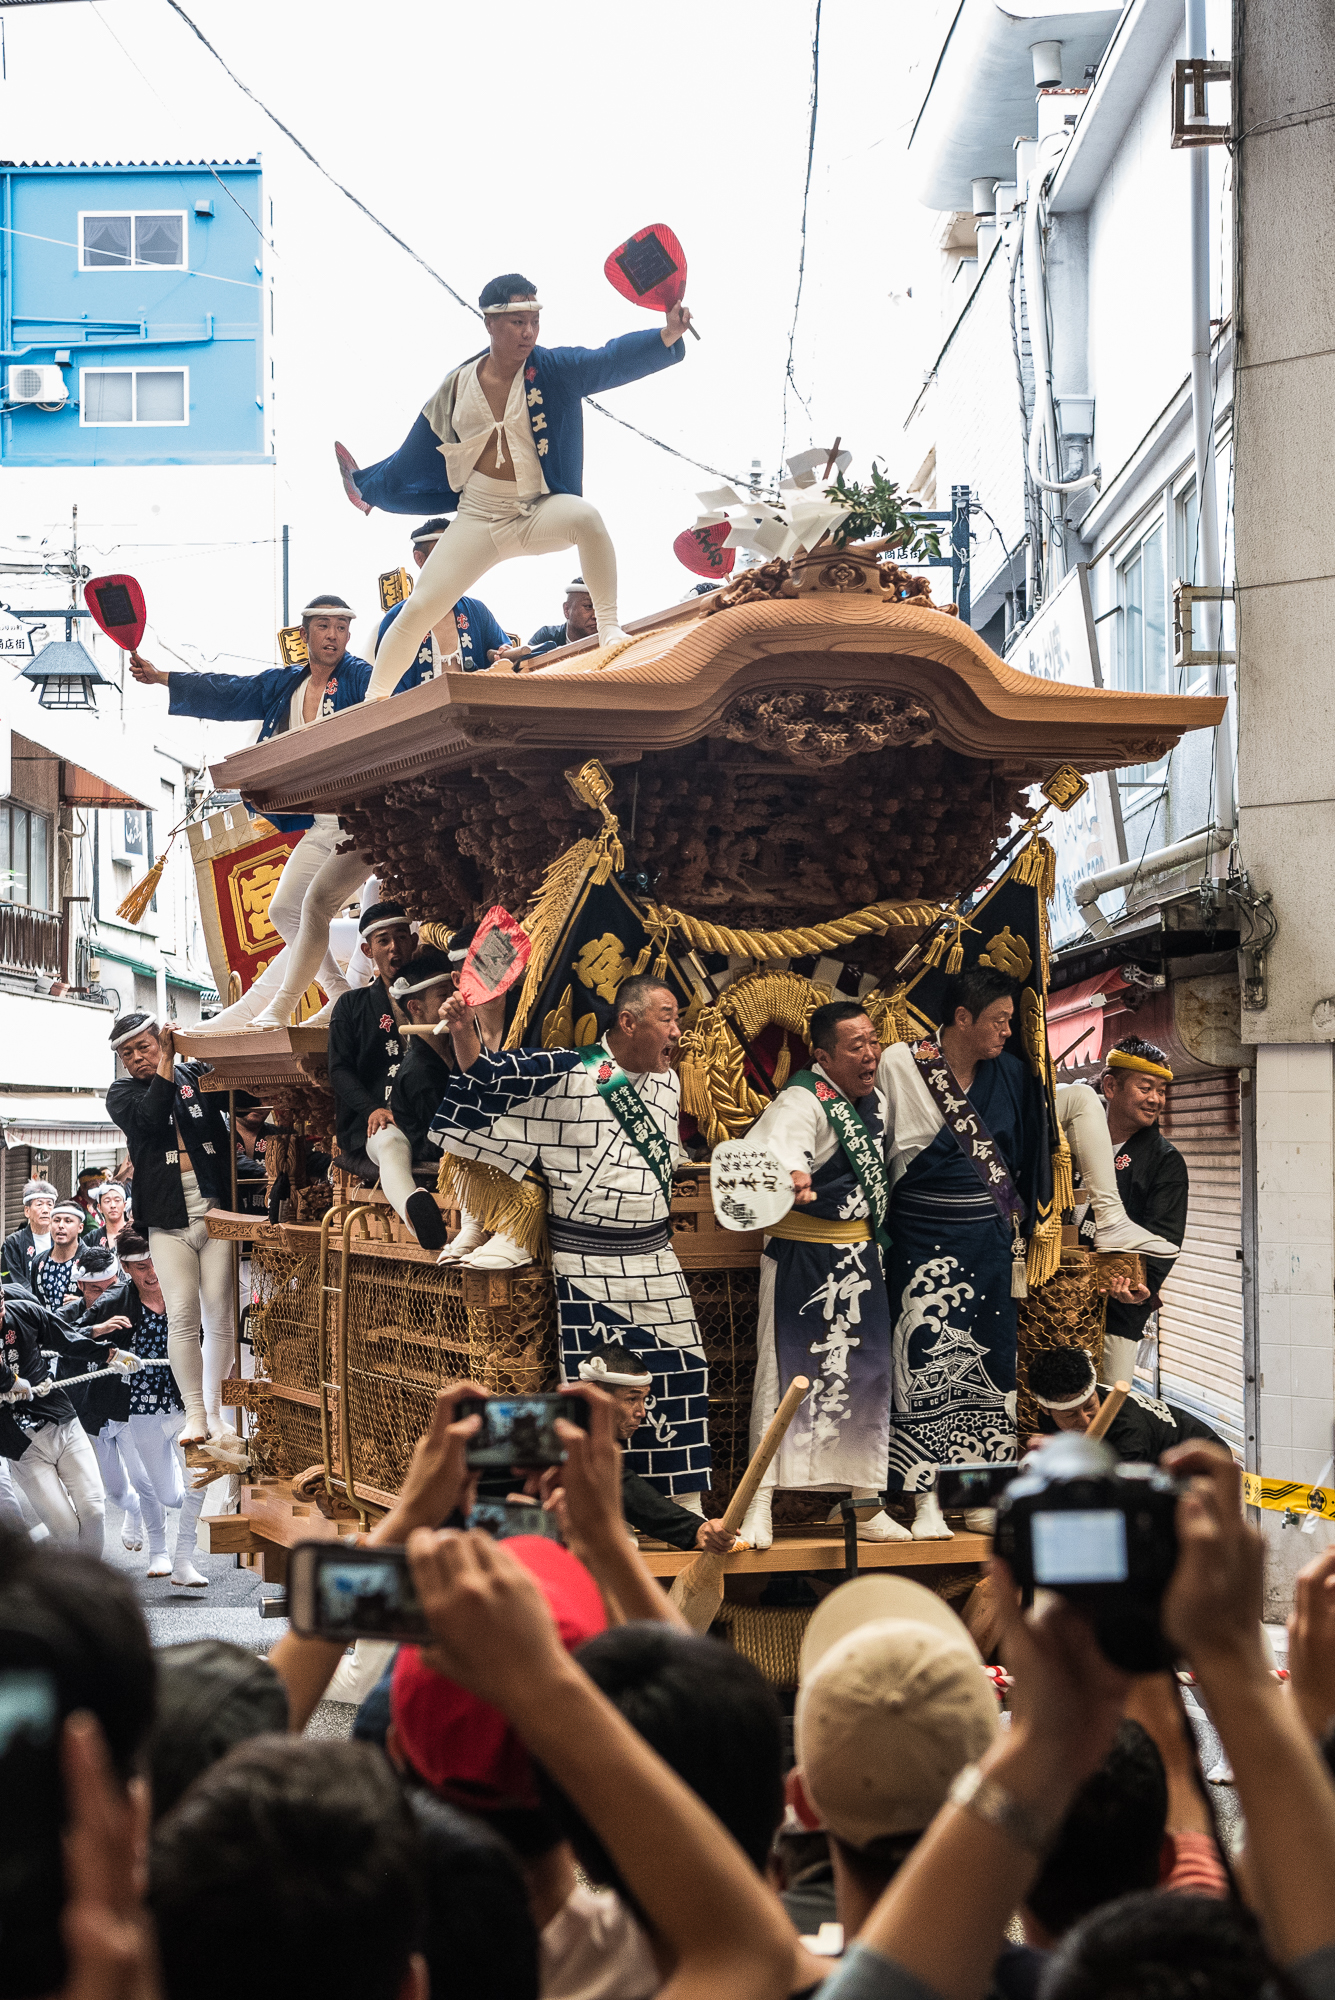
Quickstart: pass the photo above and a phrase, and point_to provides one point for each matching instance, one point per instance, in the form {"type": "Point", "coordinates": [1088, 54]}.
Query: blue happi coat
{"type": "Point", "coordinates": [267, 699]}
{"type": "Point", "coordinates": [479, 634]}
{"type": "Point", "coordinates": [412, 479]}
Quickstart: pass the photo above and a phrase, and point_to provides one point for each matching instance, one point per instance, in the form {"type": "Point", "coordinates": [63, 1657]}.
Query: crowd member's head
{"type": "Point", "coordinates": [480, 1934]}
{"type": "Point", "coordinates": [424, 983]}
{"type": "Point", "coordinates": [251, 1112]}
{"type": "Point", "coordinates": [711, 1716]}
{"type": "Point", "coordinates": [510, 308]}
{"type": "Point", "coordinates": [645, 1030]}
{"type": "Point", "coordinates": [1109, 1843]}
{"type": "Point", "coordinates": [326, 626]}
{"type": "Point", "coordinates": [1063, 1381]}
{"type": "Point", "coordinates": [137, 1261]}
{"type": "Point", "coordinates": [845, 1044]}
{"type": "Point", "coordinates": [80, 1621]}
{"type": "Point", "coordinates": [134, 1038]}
{"type": "Point", "coordinates": [39, 1198]}
{"type": "Point", "coordinates": [627, 1381]}
{"type": "Point", "coordinates": [312, 1846]}
{"type": "Point", "coordinates": [977, 1009]}
{"type": "Point", "coordinates": [1136, 1082]}
{"type": "Point", "coordinates": [387, 938]}
{"type": "Point", "coordinates": [1157, 1946]}
{"type": "Point", "coordinates": [95, 1270]}
{"type": "Point", "coordinates": [463, 1749]}
{"type": "Point", "coordinates": [581, 620]}
{"type": "Point", "coordinates": [110, 1198]}
{"type": "Point", "coordinates": [425, 538]}
{"type": "Point", "coordinates": [212, 1695]}
{"type": "Point", "coordinates": [67, 1220]}
{"type": "Point", "coordinates": [892, 1703]}
{"type": "Point", "coordinates": [86, 1185]}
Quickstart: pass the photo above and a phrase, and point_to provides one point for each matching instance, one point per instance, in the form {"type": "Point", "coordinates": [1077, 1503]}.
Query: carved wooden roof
{"type": "Point", "coordinates": [809, 681]}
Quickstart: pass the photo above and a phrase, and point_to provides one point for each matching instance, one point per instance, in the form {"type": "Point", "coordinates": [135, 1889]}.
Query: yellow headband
{"type": "Point", "coordinates": [1119, 1059]}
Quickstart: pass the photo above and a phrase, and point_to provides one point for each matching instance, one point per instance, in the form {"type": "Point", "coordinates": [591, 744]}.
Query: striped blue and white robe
{"type": "Point", "coordinates": [541, 1109]}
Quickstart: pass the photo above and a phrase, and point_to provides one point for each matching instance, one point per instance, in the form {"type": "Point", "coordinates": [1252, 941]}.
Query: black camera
{"type": "Point", "coordinates": [1102, 1535]}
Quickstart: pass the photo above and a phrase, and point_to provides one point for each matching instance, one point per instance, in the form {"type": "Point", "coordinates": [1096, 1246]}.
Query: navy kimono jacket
{"type": "Point", "coordinates": [266, 698]}
{"type": "Point", "coordinates": [412, 480]}
{"type": "Point", "coordinates": [479, 634]}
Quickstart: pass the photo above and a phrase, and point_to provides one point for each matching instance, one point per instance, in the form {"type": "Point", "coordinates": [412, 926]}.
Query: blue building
{"type": "Point", "coordinates": [133, 305]}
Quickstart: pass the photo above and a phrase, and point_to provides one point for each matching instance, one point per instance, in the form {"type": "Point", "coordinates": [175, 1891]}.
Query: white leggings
{"type": "Point", "coordinates": [302, 870]}
{"type": "Point", "coordinates": [392, 1152]}
{"type": "Point", "coordinates": [195, 1272]}
{"type": "Point", "coordinates": [492, 524]}
{"type": "Point", "coordinates": [154, 1439]}
{"type": "Point", "coordinates": [59, 1474]}
{"type": "Point", "coordinates": [127, 1484]}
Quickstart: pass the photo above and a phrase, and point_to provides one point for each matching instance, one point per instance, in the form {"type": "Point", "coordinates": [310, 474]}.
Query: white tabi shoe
{"type": "Point", "coordinates": [132, 1533]}
{"type": "Point", "coordinates": [929, 1523]}
{"type": "Point", "coordinates": [159, 1563]}
{"type": "Point", "coordinates": [498, 1253]}
{"type": "Point", "coordinates": [613, 636]}
{"type": "Point", "coordinates": [273, 1017]}
{"type": "Point", "coordinates": [471, 1237]}
{"type": "Point", "coordinates": [758, 1524]}
{"type": "Point", "coordinates": [185, 1576]}
{"type": "Point", "coordinates": [981, 1520]}
{"type": "Point", "coordinates": [1119, 1232]}
{"type": "Point", "coordinates": [877, 1527]}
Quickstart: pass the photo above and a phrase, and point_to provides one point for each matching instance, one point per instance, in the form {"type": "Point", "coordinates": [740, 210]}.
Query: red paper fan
{"type": "Point", "coordinates": [496, 958]}
{"type": "Point", "coordinates": [702, 550]}
{"type": "Point", "coordinates": [118, 609]}
{"type": "Point", "coordinates": [649, 268]}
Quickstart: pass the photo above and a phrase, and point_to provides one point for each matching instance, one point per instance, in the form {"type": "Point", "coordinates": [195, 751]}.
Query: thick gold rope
{"type": "Point", "coordinates": [801, 943]}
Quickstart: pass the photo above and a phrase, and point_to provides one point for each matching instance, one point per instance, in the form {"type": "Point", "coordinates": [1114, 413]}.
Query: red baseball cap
{"type": "Point", "coordinates": [460, 1745]}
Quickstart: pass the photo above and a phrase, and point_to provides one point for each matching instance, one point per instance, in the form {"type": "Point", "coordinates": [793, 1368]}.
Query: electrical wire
{"type": "Point", "coordinates": [98, 16]}
{"type": "Point", "coordinates": [213, 277]}
{"type": "Point", "coordinates": [430, 270]}
{"type": "Point", "coordinates": [789, 379]}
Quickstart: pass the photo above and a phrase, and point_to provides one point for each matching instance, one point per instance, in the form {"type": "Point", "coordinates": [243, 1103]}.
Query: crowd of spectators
{"type": "Point", "coordinates": [566, 1793]}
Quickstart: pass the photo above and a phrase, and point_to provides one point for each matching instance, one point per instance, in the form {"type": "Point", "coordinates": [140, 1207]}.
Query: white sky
{"type": "Point", "coordinates": [530, 138]}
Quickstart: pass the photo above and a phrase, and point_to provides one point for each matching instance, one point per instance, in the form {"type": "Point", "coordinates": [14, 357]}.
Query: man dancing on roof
{"type": "Point", "coordinates": [601, 1123]}
{"type": "Point", "coordinates": [508, 425]}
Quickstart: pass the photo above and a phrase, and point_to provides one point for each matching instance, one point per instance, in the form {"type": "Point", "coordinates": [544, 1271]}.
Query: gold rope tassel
{"type": "Point", "coordinates": [1063, 1187]}
{"type": "Point", "coordinates": [1037, 865]}
{"type": "Point", "coordinates": [932, 955]}
{"type": "Point", "coordinates": [1045, 1250]}
{"type": "Point", "coordinates": [131, 911]}
{"type": "Point", "coordinates": [517, 1209]}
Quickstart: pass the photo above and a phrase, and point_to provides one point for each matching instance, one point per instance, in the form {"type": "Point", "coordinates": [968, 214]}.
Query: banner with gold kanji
{"type": "Point", "coordinates": [238, 861]}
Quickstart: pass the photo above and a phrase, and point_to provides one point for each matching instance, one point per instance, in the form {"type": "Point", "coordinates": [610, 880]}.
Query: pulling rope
{"type": "Point", "coordinates": [876, 918]}
{"type": "Point", "coordinates": [34, 1389]}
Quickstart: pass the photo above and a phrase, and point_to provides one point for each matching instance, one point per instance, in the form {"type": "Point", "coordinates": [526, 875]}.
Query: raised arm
{"type": "Point", "coordinates": [723, 1929]}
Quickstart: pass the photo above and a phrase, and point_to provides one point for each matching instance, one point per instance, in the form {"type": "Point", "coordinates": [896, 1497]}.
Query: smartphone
{"type": "Point", "coordinates": [32, 1877]}
{"type": "Point", "coordinates": [520, 1431]}
{"type": "Point", "coordinates": [504, 1518]}
{"type": "Point", "coordinates": [347, 1594]}
{"type": "Point", "coordinates": [961, 1486]}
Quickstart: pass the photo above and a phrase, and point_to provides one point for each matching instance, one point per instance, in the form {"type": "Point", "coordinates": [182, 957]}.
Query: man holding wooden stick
{"type": "Point", "coordinates": [628, 1383]}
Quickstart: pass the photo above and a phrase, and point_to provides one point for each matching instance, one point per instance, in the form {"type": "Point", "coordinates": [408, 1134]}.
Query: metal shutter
{"type": "Point", "coordinates": [15, 1166]}
{"type": "Point", "coordinates": [1200, 1320]}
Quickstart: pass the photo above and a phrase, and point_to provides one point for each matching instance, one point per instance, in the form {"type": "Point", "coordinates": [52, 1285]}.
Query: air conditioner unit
{"type": "Point", "coordinates": [28, 384]}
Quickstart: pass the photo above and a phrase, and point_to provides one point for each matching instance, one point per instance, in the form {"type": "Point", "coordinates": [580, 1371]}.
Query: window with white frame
{"type": "Point", "coordinates": [1142, 600]}
{"type": "Point", "coordinates": [24, 846]}
{"type": "Point", "coordinates": [144, 239]}
{"type": "Point", "coordinates": [134, 396]}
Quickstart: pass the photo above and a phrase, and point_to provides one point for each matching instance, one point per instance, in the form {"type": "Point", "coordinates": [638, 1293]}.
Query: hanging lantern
{"type": "Point", "coordinates": [66, 674]}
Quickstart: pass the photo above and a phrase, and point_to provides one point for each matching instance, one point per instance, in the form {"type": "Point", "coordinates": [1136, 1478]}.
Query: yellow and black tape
{"type": "Point", "coordinates": [1288, 1496]}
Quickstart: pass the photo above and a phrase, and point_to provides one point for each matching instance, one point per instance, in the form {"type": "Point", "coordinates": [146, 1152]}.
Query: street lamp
{"type": "Point", "coordinates": [65, 673]}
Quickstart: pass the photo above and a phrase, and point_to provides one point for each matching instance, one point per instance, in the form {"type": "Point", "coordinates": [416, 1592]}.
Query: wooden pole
{"type": "Point", "coordinates": [1116, 1396]}
{"type": "Point", "coordinates": [698, 1590]}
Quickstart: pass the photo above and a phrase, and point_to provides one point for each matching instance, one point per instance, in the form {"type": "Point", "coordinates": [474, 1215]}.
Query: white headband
{"type": "Point", "coordinates": [385, 924]}
{"type": "Point", "coordinates": [78, 1276]}
{"type": "Point", "coordinates": [432, 535]}
{"type": "Point", "coordinates": [515, 306]}
{"type": "Point", "coordinates": [68, 1208]}
{"type": "Point", "coordinates": [328, 611]}
{"type": "Point", "coordinates": [1071, 1402]}
{"type": "Point", "coordinates": [148, 1026]}
{"type": "Point", "coordinates": [400, 991]}
{"type": "Point", "coordinates": [598, 1371]}
{"type": "Point", "coordinates": [138, 1257]}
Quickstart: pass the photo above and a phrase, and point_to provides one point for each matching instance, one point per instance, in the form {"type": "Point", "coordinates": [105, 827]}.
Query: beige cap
{"type": "Point", "coordinates": [892, 1703]}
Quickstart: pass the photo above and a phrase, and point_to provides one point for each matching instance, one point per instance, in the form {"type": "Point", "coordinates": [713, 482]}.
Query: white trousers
{"type": "Point", "coordinates": [59, 1474]}
{"type": "Point", "coordinates": [154, 1439]}
{"type": "Point", "coordinates": [301, 870]}
{"type": "Point", "coordinates": [1081, 1115]}
{"type": "Point", "coordinates": [127, 1484]}
{"type": "Point", "coordinates": [13, 1503]}
{"type": "Point", "coordinates": [360, 970]}
{"type": "Point", "coordinates": [489, 528]}
{"type": "Point", "coordinates": [392, 1152]}
{"type": "Point", "coordinates": [337, 879]}
{"type": "Point", "coordinates": [195, 1272]}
